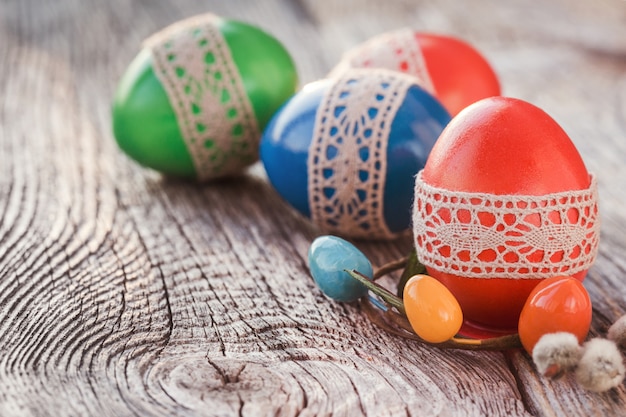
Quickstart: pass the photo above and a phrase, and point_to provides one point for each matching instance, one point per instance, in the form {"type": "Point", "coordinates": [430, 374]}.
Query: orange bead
{"type": "Point", "coordinates": [435, 315]}
{"type": "Point", "coordinates": [559, 304]}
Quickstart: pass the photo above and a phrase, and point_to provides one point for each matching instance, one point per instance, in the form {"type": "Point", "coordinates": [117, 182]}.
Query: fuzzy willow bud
{"type": "Point", "coordinates": [601, 366]}
{"type": "Point", "coordinates": [617, 332]}
{"type": "Point", "coordinates": [556, 353]}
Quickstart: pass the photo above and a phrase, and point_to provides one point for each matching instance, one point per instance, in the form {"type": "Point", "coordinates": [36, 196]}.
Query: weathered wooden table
{"type": "Point", "coordinates": [124, 293]}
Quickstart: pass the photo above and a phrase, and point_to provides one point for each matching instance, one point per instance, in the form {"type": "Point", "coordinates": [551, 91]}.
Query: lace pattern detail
{"type": "Point", "coordinates": [216, 119]}
{"type": "Point", "coordinates": [397, 50]}
{"type": "Point", "coordinates": [481, 235]}
{"type": "Point", "coordinates": [347, 160]}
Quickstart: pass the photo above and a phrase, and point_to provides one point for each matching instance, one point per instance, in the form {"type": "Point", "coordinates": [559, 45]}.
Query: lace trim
{"type": "Point", "coordinates": [397, 50]}
{"type": "Point", "coordinates": [216, 119]}
{"type": "Point", "coordinates": [347, 159]}
{"type": "Point", "coordinates": [482, 235]}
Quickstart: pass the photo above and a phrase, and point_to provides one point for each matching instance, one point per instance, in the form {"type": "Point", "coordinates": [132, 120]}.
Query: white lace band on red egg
{"type": "Point", "coordinates": [397, 50]}
{"type": "Point", "coordinates": [215, 116]}
{"type": "Point", "coordinates": [347, 160]}
{"type": "Point", "coordinates": [481, 235]}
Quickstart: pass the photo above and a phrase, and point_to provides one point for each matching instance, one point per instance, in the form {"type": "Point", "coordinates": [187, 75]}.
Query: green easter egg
{"type": "Point", "coordinates": [194, 101]}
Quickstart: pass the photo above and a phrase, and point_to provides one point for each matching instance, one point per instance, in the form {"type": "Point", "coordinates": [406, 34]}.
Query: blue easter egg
{"type": "Point", "coordinates": [329, 256]}
{"type": "Point", "coordinates": [345, 151]}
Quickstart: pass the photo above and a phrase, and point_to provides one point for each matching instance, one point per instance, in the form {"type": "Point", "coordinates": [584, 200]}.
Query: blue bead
{"type": "Point", "coordinates": [328, 257]}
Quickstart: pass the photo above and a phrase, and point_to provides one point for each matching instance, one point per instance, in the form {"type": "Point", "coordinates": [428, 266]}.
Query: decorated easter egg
{"type": "Point", "coordinates": [194, 101]}
{"type": "Point", "coordinates": [433, 312]}
{"type": "Point", "coordinates": [503, 202]}
{"type": "Point", "coordinates": [558, 304]}
{"type": "Point", "coordinates": [455, 72]}
{"type": "Point", "coordinates": [329, 257]}
{"type": "Point", "coordinates": [345, 151]}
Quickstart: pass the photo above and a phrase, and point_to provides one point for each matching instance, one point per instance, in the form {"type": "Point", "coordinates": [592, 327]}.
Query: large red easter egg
{"type": "Point", "coordinates": [451, 69]}
{"type": "Point", "coordinates": [503, 201]}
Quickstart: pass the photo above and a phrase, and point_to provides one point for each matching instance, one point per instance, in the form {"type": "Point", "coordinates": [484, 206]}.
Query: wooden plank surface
{"type": "Point", "coordinates": [124, 293]}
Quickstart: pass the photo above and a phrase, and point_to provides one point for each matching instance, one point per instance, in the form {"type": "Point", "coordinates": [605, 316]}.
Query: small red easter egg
{"type": "Point", "coordinates": [559, 304]}
{"type": "Point", "coordinates": [451, 69]}
{"type": "Point", "coordinates": [503, 202]}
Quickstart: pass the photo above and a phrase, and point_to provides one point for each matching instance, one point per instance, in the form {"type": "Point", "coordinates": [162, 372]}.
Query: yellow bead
{"type": "Point", "coordinates": [434, 313]}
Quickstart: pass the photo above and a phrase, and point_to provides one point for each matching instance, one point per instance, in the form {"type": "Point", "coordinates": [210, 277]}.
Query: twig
{"type": "Point", "coordinates": [396, 324]}
{"type": "Point", "coordinates": [390, 267]}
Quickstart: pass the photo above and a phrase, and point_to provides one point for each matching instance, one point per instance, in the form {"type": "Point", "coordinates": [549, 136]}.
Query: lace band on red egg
{"type": "Point", "coordinates": [347, 161]}
{"type": "Point", "coordinates": [480, 235]}
{"type": "Point", "coordinates": [397, 50]}
{"type": "Point", "coordinates": [194, 64]}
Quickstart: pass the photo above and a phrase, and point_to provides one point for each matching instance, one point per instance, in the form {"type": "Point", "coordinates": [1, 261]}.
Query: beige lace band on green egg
{"type": "Point", "coordinates": [215, 116]}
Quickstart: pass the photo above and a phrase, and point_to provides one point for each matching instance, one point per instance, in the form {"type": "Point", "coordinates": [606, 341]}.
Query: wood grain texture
{"type": "Point", "coordinates": [124, 293]}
